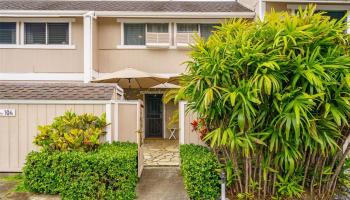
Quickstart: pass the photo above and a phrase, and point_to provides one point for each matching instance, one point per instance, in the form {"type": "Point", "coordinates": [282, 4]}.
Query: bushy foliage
{"type": "Point", "coordinates": [109, 172]}
{"type": "Point", "coordinates": [72, 132]}
{"type": "Point", "coordinates": [199, 168]}
{"type": "Point", "coordinates": [275, 96]}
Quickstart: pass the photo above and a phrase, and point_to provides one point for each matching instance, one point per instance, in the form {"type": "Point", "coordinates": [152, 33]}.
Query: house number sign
{"type": "Point", "coordinates": [7, 112]}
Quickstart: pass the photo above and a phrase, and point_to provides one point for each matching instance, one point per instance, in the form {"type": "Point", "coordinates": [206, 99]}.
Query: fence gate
{"type": "Point", "coordinates": [128, 126]}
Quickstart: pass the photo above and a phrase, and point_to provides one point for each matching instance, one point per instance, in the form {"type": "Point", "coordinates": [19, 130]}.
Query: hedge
{"type": "Point", "coordinates": [110, 172]}
{"type": "Point", "coordinates": [199, 169]}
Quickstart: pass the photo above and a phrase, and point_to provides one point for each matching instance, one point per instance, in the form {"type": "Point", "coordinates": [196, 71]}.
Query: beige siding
{"type": "Point", "coordinates": [17, 133]}
{"type": "Point", "coordinates": [278, 7]}
{"type": "Point", "coordinates": [127, 122]}
{"type": "Point", "coordinates": [153, 61]}
{"type": "Point", "coordinates": [19, 60]}
{"type": "Point", "coordinates": [190, 136]}
{"type": "Point", "coordinates": [150, 60]}
{"type": "Point", "coordinates": [170, 108]}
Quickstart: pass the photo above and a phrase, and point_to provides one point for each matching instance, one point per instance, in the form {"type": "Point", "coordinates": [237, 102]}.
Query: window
{"type": "Point", "coordinates": [58, 33]}
{"type": "Point", "coordinates": [158, 28]}
{"type": "Point", "coordinates": [7, 32]}
{"type": "Point", "coordinates": [187, 28]}
{"type": "Point", "coordinates": [207, 29]}
{"type": "Point", "coordinates": [134, 34]}
{"type": "Point", "coordinates": [335, 14]}
{"type": "Point", "coordinates": [46, 33]}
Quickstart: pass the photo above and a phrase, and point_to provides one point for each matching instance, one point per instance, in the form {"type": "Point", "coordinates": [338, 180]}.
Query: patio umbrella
{"type": "Point", "coordinates": [132, 78]}
{"type": "Point", "coordinates": [174, 79]}
{"type": "Point", "coordinates": [166, 85]}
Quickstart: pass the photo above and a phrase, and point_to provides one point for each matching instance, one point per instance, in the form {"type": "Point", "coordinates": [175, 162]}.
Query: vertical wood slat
{"type": "Point", "coordinates": [13, 139]}
{"type": "Point", "coordinates": [4, 141]}
{"type": "Point", "coordinates": [23, 148]}
{"type": "Point", "coordinates": [17, 133]}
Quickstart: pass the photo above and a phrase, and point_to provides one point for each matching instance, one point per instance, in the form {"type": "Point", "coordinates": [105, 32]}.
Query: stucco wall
{"type": "Point", "coordinates": [17, 133]}
{"type": "Point", "coordinates": [23, 60]}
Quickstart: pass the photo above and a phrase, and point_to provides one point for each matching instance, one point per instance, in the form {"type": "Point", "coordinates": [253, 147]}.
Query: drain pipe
{"type": "Point", "coordinates": [223, 185]}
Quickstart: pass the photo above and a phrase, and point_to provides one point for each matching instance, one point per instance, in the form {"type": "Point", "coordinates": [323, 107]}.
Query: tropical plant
{"type": "Point", "coordinates": [275, 96]}
{"type": "Point", "coordinates": [72, 132]}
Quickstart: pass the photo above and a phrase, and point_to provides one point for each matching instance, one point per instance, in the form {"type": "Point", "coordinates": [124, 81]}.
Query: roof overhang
{"type": "Point", "coordinates": [215, 15]}
{"type": "Point", "coordinates": [39, 13]}
{"type": "Point", "coordinates": [66, 13]}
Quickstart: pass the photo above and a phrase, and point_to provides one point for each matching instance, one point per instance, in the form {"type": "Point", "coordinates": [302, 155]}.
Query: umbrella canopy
{"type": "Point", "coordinates": [132, 78]}
{"type": "Point", "coordinates": [166, 85]}
{"type": "Point", "coordinates": [174, 79]}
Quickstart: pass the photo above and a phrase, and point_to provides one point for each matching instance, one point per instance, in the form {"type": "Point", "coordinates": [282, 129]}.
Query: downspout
{"type": "Point", "coordinates": [88, 18]}
{"type": "Point", "coordinates": [261, 9]}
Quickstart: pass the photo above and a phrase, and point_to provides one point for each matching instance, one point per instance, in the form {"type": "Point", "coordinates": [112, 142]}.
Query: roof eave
{"type": "Point", "coordinates": [213, 15]}
{"type": "Point", "coordinates": [79, 13]}
{"type": "Point", "coordinates": [42, 13]}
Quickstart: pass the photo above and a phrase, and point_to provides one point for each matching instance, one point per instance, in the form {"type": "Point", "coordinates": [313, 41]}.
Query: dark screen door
{"type": "Point", "coordinates": [154, 115]}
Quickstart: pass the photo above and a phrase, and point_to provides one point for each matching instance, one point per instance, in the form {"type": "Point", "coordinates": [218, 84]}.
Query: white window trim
{"type": "Point", "coordinates": [20, 33]}
{"type": "Point", "coordinates": [186, 46]}
{"type": "Point", "coordinates": [122, 37]}
{"type": "Point", "coordinates": [172, 33]}
{"type": "Point", "coordinates": [295, 7]}
{"type": "Point", "coordinates": [17, 33]}
{"type": "Point", "coordinates": [48, 46]}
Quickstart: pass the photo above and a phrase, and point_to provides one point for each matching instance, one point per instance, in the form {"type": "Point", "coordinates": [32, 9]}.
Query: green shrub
{"type": "Point", "coordinates": [72, 132]}
{"type": "Point", "coordinates": [275, 97]}
{"type": "Point", "coordinates": [199, 169]}
{"type": "Point", "coordinates": [109, 172]}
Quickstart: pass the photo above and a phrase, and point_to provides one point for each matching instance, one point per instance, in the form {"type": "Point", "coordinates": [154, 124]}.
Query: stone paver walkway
{"type": "Point", "coordinates": [161, 152]}
{"type": "Point", "coordinates": [161, 183]}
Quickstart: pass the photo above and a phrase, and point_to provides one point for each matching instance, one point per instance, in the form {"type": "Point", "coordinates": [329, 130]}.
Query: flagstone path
{"type": "Point", "coordinates": [161, 152]}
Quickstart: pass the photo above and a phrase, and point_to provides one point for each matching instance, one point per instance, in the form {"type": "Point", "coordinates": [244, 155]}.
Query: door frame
{"type": "Point", "coordinates": [144, 113]}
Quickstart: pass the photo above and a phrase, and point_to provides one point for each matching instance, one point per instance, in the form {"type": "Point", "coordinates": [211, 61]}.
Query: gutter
{"type": "Point", "coordinates": [81, 13]}
{"type": "Point", "coordinates": [42, 13]}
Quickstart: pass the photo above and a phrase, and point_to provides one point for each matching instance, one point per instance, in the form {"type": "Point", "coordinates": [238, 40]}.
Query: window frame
{"type": "Point", "coordinates": [47, 45]}
{"type": "Point", "coordinates": [122, 34]}
{"type": "Point", "coordinates": [199, 31]}
{"type": "Point", "coordinates": [172, 30]}
{"type": "Point", "coordinates": [9, 20]}
{"type": "Point", "coordinates": [198, 25]}
{"type": "Point", "coordinates": [20, 33]}
{"type": "Point", "coordinates": [295, 7]}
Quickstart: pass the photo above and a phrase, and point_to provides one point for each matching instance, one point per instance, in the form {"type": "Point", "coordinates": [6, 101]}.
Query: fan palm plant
{"type": "Point", "coordinates": [275, 96]}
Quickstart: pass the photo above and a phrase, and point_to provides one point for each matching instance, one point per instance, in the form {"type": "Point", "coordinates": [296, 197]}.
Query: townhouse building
{"type": "Point", "coordinates": [51, 52]}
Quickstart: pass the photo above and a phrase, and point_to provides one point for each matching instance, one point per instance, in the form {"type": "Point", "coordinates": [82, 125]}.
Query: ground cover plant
{"type": "Point", "coordinates": [273, 97]}
{"type": "Point", "coordinates": [199, 169]}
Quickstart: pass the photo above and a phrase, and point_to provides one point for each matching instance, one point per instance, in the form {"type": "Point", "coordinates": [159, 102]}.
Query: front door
{"type": "Point", "coordinates": [153, 115]}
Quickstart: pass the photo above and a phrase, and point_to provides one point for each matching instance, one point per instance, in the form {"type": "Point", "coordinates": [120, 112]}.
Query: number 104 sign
{"type": "Point", "coordinates": [7, 112]}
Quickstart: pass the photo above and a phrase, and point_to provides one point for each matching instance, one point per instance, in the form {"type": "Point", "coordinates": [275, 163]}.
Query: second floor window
{"type": "Point", "coordinates": [158, 28]}
{"type": "Point", "coordinates": [187, 28]}
{"type": "Point", "coordinates": [46, 33]}
{"type": "Point", "coordinates": [205, 30]}
{"type": "Point", "coordinates": [7, 32]}
{"type": "Point", "coordinates": [134, 34]}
